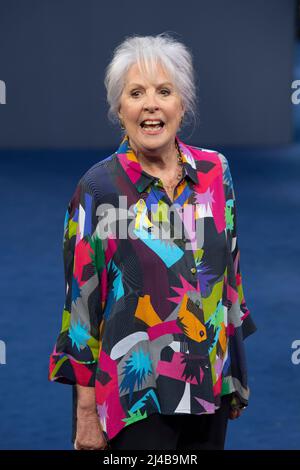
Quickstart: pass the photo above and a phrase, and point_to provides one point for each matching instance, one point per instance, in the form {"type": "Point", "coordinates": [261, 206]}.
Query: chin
{"type": "Point", "coordinates": [155, 143]}
{"type": "Point", "coordinates": [156, 140]}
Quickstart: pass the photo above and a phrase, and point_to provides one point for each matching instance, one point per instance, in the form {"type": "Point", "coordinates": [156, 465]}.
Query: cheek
{"type": "Point", "coordinates": [174, 114]}
{"type": "Point", "coordinates": [128, 110]}
{"type": "Point", "coordinates": [174, 119]}
{"type": "Point", "coordinates": [132, 113]}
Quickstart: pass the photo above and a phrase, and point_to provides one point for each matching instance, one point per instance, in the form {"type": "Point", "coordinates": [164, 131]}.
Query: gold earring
{"type": "Point", "coordinates": [121, 124]}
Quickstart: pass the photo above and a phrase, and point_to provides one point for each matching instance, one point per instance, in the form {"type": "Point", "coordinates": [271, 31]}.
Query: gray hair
{"type": "Point", "coordinates": [147, 52]}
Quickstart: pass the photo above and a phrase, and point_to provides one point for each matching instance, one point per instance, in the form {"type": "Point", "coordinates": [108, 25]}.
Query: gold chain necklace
{"type": "Point", "coordinates": [180, 163]}
{"type": "Point", "coordinates": [180, 171]}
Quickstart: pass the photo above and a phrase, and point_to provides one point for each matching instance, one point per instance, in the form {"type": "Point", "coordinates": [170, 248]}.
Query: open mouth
{"type": "Point", "coordinates": [152, 125]}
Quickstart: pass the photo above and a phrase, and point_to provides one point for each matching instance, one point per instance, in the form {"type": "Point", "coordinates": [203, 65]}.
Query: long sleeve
{"type": "Point", "coordinates": [235, 284]}
{"type": "Point", "coordinates": [75, 354]}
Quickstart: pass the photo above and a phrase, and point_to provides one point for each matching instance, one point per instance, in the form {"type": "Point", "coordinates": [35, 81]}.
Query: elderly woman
{"type": "Point", "coordinates": [154, 316]}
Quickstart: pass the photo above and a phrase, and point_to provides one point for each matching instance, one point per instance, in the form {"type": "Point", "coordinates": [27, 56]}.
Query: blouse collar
{"type": "Point", "coordinates": [140, 178]}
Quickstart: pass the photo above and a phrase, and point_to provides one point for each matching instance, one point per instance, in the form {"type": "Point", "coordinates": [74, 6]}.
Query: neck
{"type": "Point", "coordinates": [157, 159]}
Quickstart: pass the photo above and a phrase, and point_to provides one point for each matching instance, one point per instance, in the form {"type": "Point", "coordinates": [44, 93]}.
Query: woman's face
{"type": "Point", "coordinates": [151, 111]}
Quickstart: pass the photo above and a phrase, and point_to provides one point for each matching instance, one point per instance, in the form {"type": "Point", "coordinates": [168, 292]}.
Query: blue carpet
{"type": "Point", "coordinates": [36, 187]}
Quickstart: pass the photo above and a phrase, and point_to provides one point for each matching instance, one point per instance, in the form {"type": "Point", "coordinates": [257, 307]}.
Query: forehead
{"type": "Point", "coordinates": [158, 75]}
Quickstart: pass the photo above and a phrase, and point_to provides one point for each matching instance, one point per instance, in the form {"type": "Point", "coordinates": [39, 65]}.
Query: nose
{"type": "Point", "coordinates": [150, 103]}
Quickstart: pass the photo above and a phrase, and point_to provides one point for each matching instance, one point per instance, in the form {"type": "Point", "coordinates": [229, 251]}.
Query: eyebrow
{"type": "Point", "coordinates": [139, 85]}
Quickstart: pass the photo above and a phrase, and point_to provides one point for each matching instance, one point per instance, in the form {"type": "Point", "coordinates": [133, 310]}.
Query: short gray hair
{"type": "Point", "coordinates": [147, 52]}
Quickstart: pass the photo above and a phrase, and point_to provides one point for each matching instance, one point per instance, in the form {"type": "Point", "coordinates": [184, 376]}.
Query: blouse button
{"type": "Point", "coordinates": [193, 270]}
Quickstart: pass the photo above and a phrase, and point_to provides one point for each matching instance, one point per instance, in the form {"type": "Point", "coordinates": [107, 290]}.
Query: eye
{"type": "Point", "coordinates": [135, 93]}
{"type": "Point", "coordinates": [165, 91]}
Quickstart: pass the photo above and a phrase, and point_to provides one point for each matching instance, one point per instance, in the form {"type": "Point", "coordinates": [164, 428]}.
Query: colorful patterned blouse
{"type": "Point", "coordinates": [154, 319]}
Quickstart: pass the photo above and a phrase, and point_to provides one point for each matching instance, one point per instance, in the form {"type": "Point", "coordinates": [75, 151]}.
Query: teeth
{"type": "Point", "coordinates": [152, 128]}
{"type": "Point", "coordinates": [153, 123]}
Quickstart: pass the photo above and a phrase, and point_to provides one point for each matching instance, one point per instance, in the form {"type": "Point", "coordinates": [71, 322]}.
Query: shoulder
{"type": "Point", "coordinates": [201, 154]}
{"type": "Point", "coordinates": [99, 169]}
{"type": "Point", "coordinates": [97, 179]}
